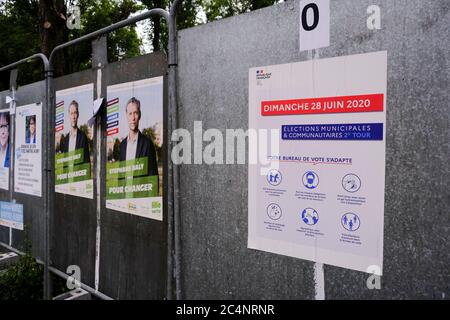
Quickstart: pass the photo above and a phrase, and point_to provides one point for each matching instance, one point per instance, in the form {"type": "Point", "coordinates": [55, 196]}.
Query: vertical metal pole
{"type": "Point", "coordinates": [99, 60]}
{"type": "Point", "coordinates": [319, 275]}
{"type": "Point", "coordinates": [173, 111]}
{"type": "Point", "coordinates": [170, 251]}
{"type": "Point", "coordinates": [12, 143]}
{"type": "Point", "coordinates": [169, 195]}
{"type": "Point", "coordinates": [49, 185]}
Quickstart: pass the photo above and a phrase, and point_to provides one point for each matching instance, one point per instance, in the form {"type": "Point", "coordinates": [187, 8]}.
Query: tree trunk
{"type": "Point", "coordinates": [156, 33]}
{"type": "Point", "coordinates": [156, 21]}
{"type": "Point", "coordinates": [52, 24]}
{"type": "Point", "coordinates": [258, 4]}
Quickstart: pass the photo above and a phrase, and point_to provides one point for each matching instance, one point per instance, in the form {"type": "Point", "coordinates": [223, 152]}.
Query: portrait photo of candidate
{"type": "Point", "coordinates": [75, 138]}
{"type": "Point", "coordinates": [135, 144]}
{"type": "Point", "coordinates": [30, 129]}
{"type": "Point", "coordinates": [5, 153]}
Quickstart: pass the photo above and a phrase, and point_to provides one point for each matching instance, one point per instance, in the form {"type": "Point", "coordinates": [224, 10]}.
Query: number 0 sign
{"type": "Point", "coordinates": [314, 24]}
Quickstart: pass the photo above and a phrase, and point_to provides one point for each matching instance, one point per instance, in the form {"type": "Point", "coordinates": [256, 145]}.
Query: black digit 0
{"type": "Point", "coordinates": [315, 9]}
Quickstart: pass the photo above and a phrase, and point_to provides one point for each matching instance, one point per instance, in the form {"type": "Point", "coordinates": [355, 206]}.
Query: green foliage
{"type": "Point", "coordinates": [150, 133]}
{"type": "Point", "coordinates": [186, 18]}
{"type": "Point", "coordinates": [20, 33]}
{"type": "Point", "coordinates": [97, 14]}
{"type": "Point", "coordinates": [22, 281]}
{"type": "Point", "coordinates": [116, 150]}
{"type": "Point", "coordinates": [25, 279]}
{"type": "Point", "coordinates": [115, 154]}
{"type": "Point", "coordinates": [155, 30]}
{"type": "Point", "coordinates": [19, 38]}
{"type": "Point", "coordinates": [60, 144]}
{"type": "Point", "coordinates": [218, 9]}
{"type": "Point", "coordinates": [85, 129]}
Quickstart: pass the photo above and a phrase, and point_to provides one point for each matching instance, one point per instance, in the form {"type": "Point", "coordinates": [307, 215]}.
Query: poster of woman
{"type": "Point", "coordinates": [5, 150]}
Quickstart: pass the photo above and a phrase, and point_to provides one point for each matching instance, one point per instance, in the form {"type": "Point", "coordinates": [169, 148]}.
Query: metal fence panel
{"type": "Point", "coordinates": [133, 249]}
{"type": "Point", "coordinates": [33, 207]}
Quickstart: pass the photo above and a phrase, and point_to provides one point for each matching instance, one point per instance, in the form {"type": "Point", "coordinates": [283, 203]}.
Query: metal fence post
{"type": "Point", "coordinates": [49, 182]}
{"type": "Point", "coordinates": [173, 111]}
{"type": "Point", "coordinates": [12, 136]}
{"type": "Point", "coordinates": [99, 60]}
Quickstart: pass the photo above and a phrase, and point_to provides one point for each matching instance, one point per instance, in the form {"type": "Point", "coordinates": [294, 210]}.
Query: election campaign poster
{"type": "Point", "coordinates": [134, 131]}
{"type": "Point", "coordinates": [5, 150]}
{"type": "Point", "coordinates": [319, 195]}
{"type": "Point", "coordinates": [73, 141]}
{"type": "Point", "coordinates": [28, 150]}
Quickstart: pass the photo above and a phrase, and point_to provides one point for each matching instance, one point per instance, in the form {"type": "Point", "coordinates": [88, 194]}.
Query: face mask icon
{"type": "Point", "coordinates": [310, 180]}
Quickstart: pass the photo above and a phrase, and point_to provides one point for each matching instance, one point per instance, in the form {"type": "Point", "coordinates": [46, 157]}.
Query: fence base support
{"type": "Point", "coordinates": [76, 294]}
{"type": "Point", "coordinates": [8, 259]}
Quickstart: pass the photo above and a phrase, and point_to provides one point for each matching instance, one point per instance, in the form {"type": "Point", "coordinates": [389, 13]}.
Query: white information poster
{"type": "Point", "coordinates": [28, 155]}
{"type": "Point", "coordinates": [320, 195]}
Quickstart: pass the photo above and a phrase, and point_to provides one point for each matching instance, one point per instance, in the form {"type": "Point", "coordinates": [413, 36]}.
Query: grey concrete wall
{"type": "Point", "coordinates": [213, 74]}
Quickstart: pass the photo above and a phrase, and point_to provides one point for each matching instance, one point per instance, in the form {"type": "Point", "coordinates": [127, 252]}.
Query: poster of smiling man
{"type": "Point", "coordinates": [134, 147]}
{"type": "Point", "coordinates": [73, 141]}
